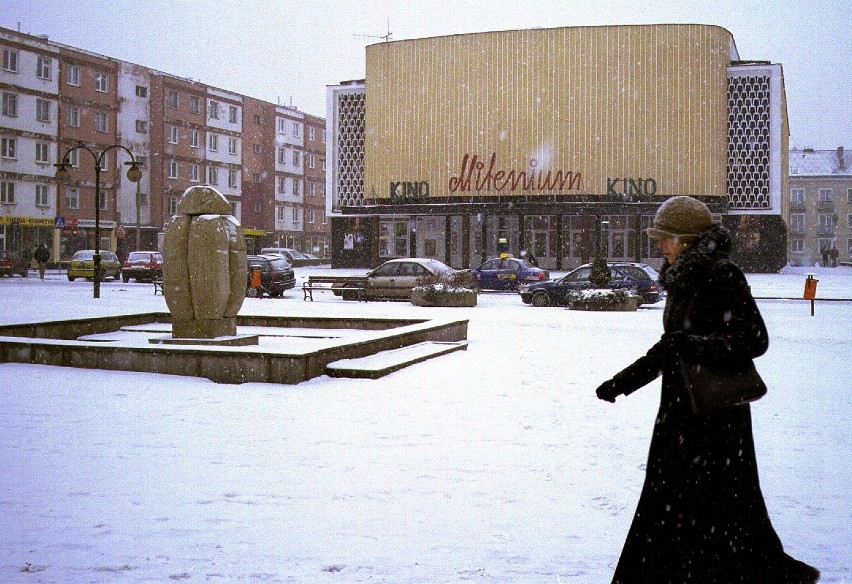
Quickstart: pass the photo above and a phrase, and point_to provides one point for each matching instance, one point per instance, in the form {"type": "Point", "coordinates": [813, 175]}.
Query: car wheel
{"type": "Point", "coordinates": [541, 298]}
{"type": "Point", "coordinates": [125, 278]}
{"type": "Point", "coordinates": [71, 278]}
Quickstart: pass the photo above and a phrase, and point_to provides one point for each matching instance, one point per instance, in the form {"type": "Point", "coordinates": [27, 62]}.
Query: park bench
{"type": "Point", "coordinates": [332, 284]}
{"type": "Point", "coordinates": [158, 286]}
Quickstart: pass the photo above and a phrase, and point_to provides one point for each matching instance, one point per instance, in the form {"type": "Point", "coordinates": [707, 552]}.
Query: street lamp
{"type": "Point", "coordinates": [134, 174]}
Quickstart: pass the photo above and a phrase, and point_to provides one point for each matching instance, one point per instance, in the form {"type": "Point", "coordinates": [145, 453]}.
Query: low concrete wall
{"type": "Point", "coordinates": [52, 343]}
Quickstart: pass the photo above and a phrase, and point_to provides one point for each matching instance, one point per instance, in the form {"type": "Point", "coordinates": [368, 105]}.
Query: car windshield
{"type": "Point", "coordinates": [83, 255]}
{"type": "Point", "coordinates": [137, 256]}
{"type": "Point", "coordinates": [279, 264]}
{"type": "Point", "coordinates": [437, 267]}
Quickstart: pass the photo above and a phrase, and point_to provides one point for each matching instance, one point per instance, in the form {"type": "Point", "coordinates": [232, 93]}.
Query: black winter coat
{"type": "Point", "coordinates": [701, 515]}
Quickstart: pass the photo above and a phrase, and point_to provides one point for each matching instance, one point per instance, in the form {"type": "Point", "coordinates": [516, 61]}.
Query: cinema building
{"type": "Point", "coordinates": [562, 141]}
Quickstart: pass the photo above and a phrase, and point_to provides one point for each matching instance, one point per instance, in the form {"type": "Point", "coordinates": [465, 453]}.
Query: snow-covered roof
{"type": "Point", "coordinates": [809, 162]}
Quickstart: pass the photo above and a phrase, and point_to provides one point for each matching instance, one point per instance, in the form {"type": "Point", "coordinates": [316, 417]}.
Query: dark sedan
{"type": "Point", "coordinates": [276, 275]}
{"type": "Point", "coordinates": [507, 274]}
{"type": "Point", "coordinates": [641, 278]}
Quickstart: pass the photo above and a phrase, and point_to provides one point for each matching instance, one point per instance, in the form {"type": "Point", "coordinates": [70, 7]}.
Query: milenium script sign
{"type": "Point", "coordinates": [476, 175]}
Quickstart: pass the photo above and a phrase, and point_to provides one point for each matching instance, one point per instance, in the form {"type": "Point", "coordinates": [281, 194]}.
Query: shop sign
{"type": "Point", "coordinates": [475, 175]}
{"type": "Point", "coordinates": [630, 189]}
{"type": "Point", "coordinates": [28, 221]}
{"type": "Point", "coordinates": [407, 191]}
{"type": "Point", "coordinates": [90, 223]}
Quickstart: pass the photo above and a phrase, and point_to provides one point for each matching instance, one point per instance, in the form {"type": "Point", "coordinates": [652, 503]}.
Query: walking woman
{"type": "Point", "coordinates": [701, 517]}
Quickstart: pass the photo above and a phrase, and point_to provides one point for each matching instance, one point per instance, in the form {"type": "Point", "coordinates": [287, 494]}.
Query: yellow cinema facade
{"type": "Point", "coordinates": [562, 141]}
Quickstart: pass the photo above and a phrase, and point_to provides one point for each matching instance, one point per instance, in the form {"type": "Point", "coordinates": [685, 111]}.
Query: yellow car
{"type": "Point", "coordinates": [83, 265]}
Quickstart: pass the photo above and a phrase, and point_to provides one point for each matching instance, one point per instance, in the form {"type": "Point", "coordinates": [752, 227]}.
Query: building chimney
{"type": "Point", "coordinates": [841, 162]}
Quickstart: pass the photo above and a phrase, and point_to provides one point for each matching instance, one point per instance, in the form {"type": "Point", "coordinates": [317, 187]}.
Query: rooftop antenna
{"type": "Point", "coordinates": [386, 36]}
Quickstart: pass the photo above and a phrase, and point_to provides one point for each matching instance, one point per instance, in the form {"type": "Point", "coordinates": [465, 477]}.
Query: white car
{"type": "Point", "coordinates": [396, 278]}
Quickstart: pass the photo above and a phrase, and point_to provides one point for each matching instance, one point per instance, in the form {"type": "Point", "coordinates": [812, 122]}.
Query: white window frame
{"type": "Point", "coordinates": [194, 104]}
{"type": "Point", "coordinates": [42, 195]}
{"type": "Point", "coordinates": [9, 148]}
{"type": "Point", "coordinates": [297, 186]}
{"type": "Point", "coordinates": [42, 110]}
{"type": "Point", "coordinates": [10, 104]}
{"type": "Point", "coordinates": [103, 201]}
{"type": "Point", "coordinates": [172, 134]}
{"type": "Point", "coordinates": [311, 133]}
{"type": "Point", "coordinates": [282, 184]}
{"type": "Point", "coordinates": [193, 138]}
{"type": "Point", "coordinates": [44, 68]}
{"type": "Point", "coordinates": [233, 114]}
{"type": "Point", "coordinates": [72, 117]}
{"type": "Point", "coordinates": [194, 174]}
{"type": "Point", "coordinates": [295, 215]}
{"type": "Point", "coordinates": [282, 155]}
{"type": "Point", "coordinates": [311, 215]}
{"type": "Point", "coordinates": [72, 74]}
{"type": "Point", "coordinates": [282, 126]}
{"type": "Point", "coordinates": [73, 158]}
{"type": "Point", "coordinates": [72, 197]}
{"type": "Point", "coordinates": [42, 153]}
{"type": "Point", "coordinates": [797, 245]}
{"type": "Point", "coordinates": [232, 146]}
{"type": "Point", "coordinates": [172, 169]}
{"type": "Point", "coordinates": [173, 201]}
{"type": "Point", "coordinates": [297, 129]}
{"type": "Point", "coordinates": [825, 195]}
{"type": "Point", "coordinates": [142, 91]}
{"type": "Point", "coordinates": [141, 126]}
{"type": "Point", "coordinates": [232, 178]}
{"type": "Point", "coordinates": [213, 142]}
{"type": "Point", "coordinates": [213, 109]}
{"type": "Point", "coordinates": [11, 60]}
{"type": "Point", "coordinates": [797, 223]}
{"type": "Point", "coordinates": [101, 122]}
{"type": "Point", "coordinates": [297, 158]}
{"type": "Point", "coordinates": [101, 82]}
{"type": "Point", "coordinates": [172, 99]}
{"type": "Point", "coordinates": [212, 175]}
{"type": "Point", "coordinates": [7, 192]}
{"type": "Point", "coordinates": [279, 212]}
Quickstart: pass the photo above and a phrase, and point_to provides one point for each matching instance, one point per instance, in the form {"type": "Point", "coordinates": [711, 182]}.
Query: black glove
{"type": "Point", "coordinates": [608, 391]}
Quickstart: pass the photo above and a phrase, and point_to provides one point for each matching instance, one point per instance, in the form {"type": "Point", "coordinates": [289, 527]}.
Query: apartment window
{"type": "Point", "coordinates": [311, 133]}
{"type": "Point", "coordinates": [213, 110]}
{"type": "Point", "coordinates": [72, 157]}
{"type": "Point", "coordinates": [42, 153]}
{"type": "Point", "coordinates": [213, 142]}
{"type": "Point", "coordinates": [295, 215]}
{"type": "Point", "coordinates": [297, 129]}
{"type": "Point", "coordinates": [849, 247]}
{"type": "Point", "coordinates": [258, 207]}
{"type": "Point", "coordinates": [826, 224]}
{"type": "Point", "coordinates": [797, 198]}
{"type": "Point", "coordinates": [142, 126]}
{"type": "Point", "coordinates": [213, 175]}
{"type": "Point", "coordinates": [173, 135]}
{"type": "Point", "coordinates": [193, 138]}
{"type": "Point", "coordinates": [72, 75]}
{"type": "Point", "coordinates": [103, 201]}
{"type": "Point", "coordinates": [101, 82]}
{"type": "Point", "coordinates": [311, 215]}
{"type": "Point", "coordinates": [312, 160]}
{"type": "Point", "coordinates": [282, 155]}
{"type": "Point", "coordinates": [233, 114]}
{"type": "Point", "coordinates": [323, 141]}
{"type": "Point", "coordinates": [10, 104]}
{"type": "Point", "coordinates": [232, 146]}
{"type": "Point", "coordinates": [9, 148]}
{"type": "Point", "coordinates": [7, 192]}
{"type": "Point", "coordinates": [282, 184]}
{"type": "Point", "coordinates": [282, 126]}
{"type": "Point", "coordinates": [43, 68]}
{"type": "Point", "coordinates": [72, 117]}
{"type": "Point", "coordinates": [296, 186]}
{"type": "Point", "coordinates": [255, 148]}
{"type": "Point", "coordinates": [825, 197]}
{"type": "Point", "coordinates": [103, 158]}
{"type": "Point", "coordinates": [10, 60]}
{"type": "Point", "coordinates": [257, 119]}
{"type": "Point", "coordinates": [257, 177]}
{"type": "Point", "coordinates": [797, 245]}
{"type": "Point", "coordinates": [849, 196]}
{"type": "Point", "coordinates": [797, 223]}
{"type": "Point", "coordinates": [172, 99]}
{"type": "Point", "coordinates": [297, 158]}
{"type": "Point", "coordinates": [312, 188]}
{"type": "Point", "coordinates": [279, 213]}
{"type": "Point", "coordinates": [101, 123]}
{"type": "Point", "coordinates": [232, 178]}
{"type": "Point", "coordinates": [173, 201]}
{"type": "Point", "coordinates": [193, 172]}
{"type": "Point", "coordinates": [173, 169]}
{"type": "Point", "coordinates": [141, 91]}
{"type": "Point", "coordinates": [849, 220]}
{"type": "Point", "coordinates": [72, 198]}
{"type": "Point", "coordinates": [41, 196]}
{"type": "Point", "coordinates": [42, 110]}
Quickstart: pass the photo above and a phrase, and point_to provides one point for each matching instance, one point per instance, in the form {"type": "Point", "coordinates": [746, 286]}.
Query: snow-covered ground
{"type": "Point", "coordinates": [495, 464]}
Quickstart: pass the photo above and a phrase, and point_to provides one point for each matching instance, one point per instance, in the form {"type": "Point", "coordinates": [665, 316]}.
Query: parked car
{"type": "Point", "coordinates": [294, 258]}
{"type": "Point", "coordinates": [82, 265]}
{"type": "Point", "coordinates": [507, 274]}
{"type": "Point", "coordinates": [143, 266]}
{"type": "Point", "coordinates": [12, 263]}
{"type": "Point", "coordinates": [276, 274]}
{"type": "Point", "coordinates": [395, 278]}
{"type": "Point", "coordinates": [625, 276]}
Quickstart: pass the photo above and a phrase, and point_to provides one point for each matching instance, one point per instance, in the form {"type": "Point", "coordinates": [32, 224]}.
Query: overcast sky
{"type": "Point", "coordinates": [288, 51]}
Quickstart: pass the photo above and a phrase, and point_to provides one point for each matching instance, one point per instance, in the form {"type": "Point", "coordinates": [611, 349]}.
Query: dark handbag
{"type": "Point", "coordinates": [713, 388]}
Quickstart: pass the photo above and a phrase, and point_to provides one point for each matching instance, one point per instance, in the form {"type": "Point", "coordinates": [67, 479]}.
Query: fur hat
{"type": "Point", "coordinates": [681, 218]}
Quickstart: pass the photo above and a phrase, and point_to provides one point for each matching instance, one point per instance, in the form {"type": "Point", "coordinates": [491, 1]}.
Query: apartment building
{"type": "Point", "coordinates": [820, 210]}
{"type": "Point", "coordinates": [64, 102]}
{"type": "Point", "coordinates": [316, 224]}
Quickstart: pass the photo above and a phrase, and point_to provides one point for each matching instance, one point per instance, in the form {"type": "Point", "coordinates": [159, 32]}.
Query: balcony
{"type": "Point", "coordinates": [797, 205]}
{"type": "Point", "coordinates": [825, 230]}
{"type": "Point", "coordinates": [825, 205]}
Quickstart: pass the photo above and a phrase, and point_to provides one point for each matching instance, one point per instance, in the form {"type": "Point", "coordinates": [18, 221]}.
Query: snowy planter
{"type": "Point", "coordinates": [441, 294]}
{"type": "Point", "coordinates": [603, 299]}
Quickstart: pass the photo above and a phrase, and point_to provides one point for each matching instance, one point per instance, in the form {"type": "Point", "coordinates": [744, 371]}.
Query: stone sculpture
{"type": "Point", "coordinates": [204, 267]}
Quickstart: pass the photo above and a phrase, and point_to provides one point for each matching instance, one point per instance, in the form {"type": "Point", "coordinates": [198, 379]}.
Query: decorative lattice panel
{"type": "Point", "coordinates": [350, 150]}
{"type": "Point", "coordinates": [748, 142]}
